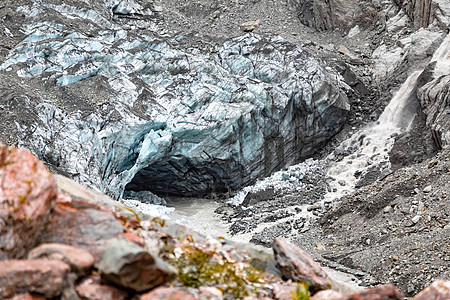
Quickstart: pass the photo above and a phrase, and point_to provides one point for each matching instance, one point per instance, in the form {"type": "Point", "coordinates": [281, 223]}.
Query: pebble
{"type": "Point", "coordinates": [427, 189]}
{"type": "Point", "coordinates": [416, 219]}
{"type": "Point", "coordinates": [342, 182]}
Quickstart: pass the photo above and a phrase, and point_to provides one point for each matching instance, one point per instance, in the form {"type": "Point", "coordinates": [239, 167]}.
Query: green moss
{"type": "Point", "coordinates": [302, 292]}
{"type": "Point", "coordinates": [199, 268]}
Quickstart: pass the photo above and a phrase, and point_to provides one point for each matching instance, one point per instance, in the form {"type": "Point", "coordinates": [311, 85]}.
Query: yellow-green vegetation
{"type": "Point", "coordinates": [302, 292]}
{"type": "Point", "coordinates": [159, 221]}
{"type": "Point", "coordinates": [198, 267]}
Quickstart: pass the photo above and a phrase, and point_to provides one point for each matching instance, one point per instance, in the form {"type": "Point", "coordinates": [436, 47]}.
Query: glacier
{"type": "Point", "coordinates": [119, 109]}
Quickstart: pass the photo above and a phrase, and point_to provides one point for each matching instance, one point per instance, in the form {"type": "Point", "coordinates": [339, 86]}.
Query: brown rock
{"type": "Point", "coordinates": [167, 293]}
{"type": "Point", "coordinates": [249, 26]}
{"type": "Point", "coordinates": [327, 295]}
{"type": "Point", "coordinates": [382, 292]}
{"type": "Point", "coordinates": [92, 289]}
{"type": "Point", "coordinates": [40, 276]}
{"type": "Point", "coordinates": [438, 290]}
{"type": "Point", "coordinates": [82, 224]}
{"type": "Point", "coordinates": [299, 266]}
{"type": "Point", "coordinates": [80, 260]}
{"type": "Point", "coordinates": [129, 265]}
{"type": "Point", "coordinates": [27, 194]}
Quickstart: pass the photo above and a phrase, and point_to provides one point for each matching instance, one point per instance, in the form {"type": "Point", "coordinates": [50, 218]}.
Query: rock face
{"type": "Point", "coordinates": [129, 265]}
{"type": "Point", "coordinates": [326, 15]}
{"type": "Point", "coordinates": [119, 109]}
{"type": "Point", "coordinates": [27, 194]}
{"type": "Point", "coordinates": [44, 277]}
{"type": "Point", "coordinates": [426, 12]}
{"type": "Point", "coordinates": [434, 97]}
{"type": "Point", "coordinates": [298, 265]}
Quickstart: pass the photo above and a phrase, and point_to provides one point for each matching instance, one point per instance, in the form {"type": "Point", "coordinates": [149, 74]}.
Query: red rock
{"type": "Point", "coordinates": [92, 289]}
{"type": "Point", "coordinates": [167, 293]}
{"type": "Point", "coordinates": [27, 194]}
{"type": "Point", "coordinates": [327, 295]}
{"type": "Point", "coordinates": [82, 224]}
{"type": "Point", "coordinates": [40, 276]}
{"type": "Point", "coordinates": [299, 266]}
{"type": "Point", "coordinates": [382, 292]}
{"type": "Point", "coordinates": [79, 260]}
{"type": "Point", "coordinates": [438, 290]}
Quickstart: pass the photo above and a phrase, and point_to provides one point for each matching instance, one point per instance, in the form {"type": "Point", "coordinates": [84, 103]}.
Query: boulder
{"type": "Point", "coordinates": [40, 276]}
{"type": "Point", "coordinates": [438, 290]}
{"type": "Point", "coordinates": [327, 295]}
{"type": "Point", "coordinates": [79, 260]}
{"type": "Point", "coordinates": [249, 26]}
{"type": "Point", "coordinates": [82, 224]}
{"type": "Point", "coordinates": [27, 194]}
{"type": "Point", "coordinates": [131, 266]}
{"type": "Point", "coordinates": [92, 289]}
{"type": "Point", "coordinates": [299, 266]}
{"type": "Point", "coordinates": [167, 293]}
{"type": "Point", "coordinates": [382, 292]}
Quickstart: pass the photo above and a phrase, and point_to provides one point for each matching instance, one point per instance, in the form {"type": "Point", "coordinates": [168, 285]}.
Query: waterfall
{"type": "Point", "coordinates": [369, 147]}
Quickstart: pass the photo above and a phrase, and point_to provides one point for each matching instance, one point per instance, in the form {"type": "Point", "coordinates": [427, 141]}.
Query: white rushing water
{"type": "Point", "coordinates": [370, 146]}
